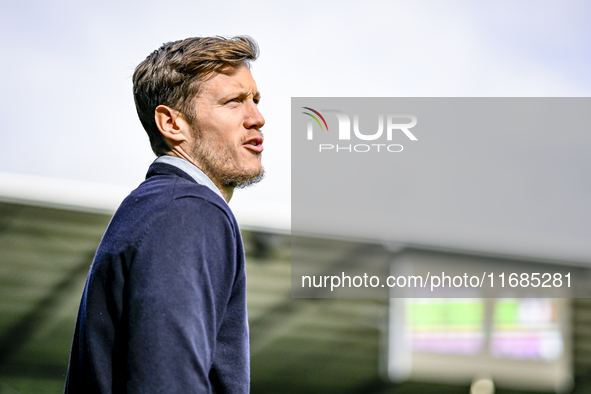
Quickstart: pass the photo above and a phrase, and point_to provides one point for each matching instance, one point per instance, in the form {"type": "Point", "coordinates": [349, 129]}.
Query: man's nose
{"type": "Point", "coordinates": [254, 118]}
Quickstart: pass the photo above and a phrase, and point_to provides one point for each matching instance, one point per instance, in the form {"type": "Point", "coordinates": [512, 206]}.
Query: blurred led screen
{"type": "Point", "coordinates": [452, 326]}
{"type": "Point", "coordinates": [521, 329]}
{"type": "Point", "coordinates": [518, 342]}
{"type": "Point", "coordinates": [526, 329]}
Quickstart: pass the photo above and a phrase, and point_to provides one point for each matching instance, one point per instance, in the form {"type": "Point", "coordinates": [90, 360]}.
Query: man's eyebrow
{"type": "Point", "coordinates": [245, 94]}
{"type": "Point", "coordinates": [242, 95]}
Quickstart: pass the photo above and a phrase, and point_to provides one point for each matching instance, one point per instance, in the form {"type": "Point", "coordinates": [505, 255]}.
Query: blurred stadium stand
{"type": "Point", "coordinates": [315, 345]}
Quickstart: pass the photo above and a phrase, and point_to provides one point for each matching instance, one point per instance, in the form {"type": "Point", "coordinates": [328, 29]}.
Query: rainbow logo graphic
{"type": "Point", "coordinates": [315, 118]}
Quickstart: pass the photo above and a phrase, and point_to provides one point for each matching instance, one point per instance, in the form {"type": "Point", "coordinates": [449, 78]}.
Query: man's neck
{"type": "Point", "coordinates": [226, 191]}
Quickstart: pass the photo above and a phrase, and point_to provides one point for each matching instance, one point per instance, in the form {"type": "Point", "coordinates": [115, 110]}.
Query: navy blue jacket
{"type": "Point", "coordinates": [164, 306]}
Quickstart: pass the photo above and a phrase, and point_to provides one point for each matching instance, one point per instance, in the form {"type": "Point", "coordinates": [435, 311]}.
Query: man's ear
{"type": "Point", "coordinates": [172, 124]}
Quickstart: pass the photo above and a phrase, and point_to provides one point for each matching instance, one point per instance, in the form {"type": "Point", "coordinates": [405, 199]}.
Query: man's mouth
{"type": "Point", "coordinates": [255, 144]}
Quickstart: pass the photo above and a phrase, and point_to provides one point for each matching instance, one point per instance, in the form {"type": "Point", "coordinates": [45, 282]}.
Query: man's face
{"type": "Point", "coordinates": [227, 143]}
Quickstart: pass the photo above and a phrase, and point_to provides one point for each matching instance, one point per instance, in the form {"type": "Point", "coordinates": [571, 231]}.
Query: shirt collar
{"type": "Point", "coordinates": [191, 169]}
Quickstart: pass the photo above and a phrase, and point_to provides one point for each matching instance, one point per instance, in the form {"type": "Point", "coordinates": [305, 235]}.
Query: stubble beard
{"type": "Point", "coordinates": [220, 164]}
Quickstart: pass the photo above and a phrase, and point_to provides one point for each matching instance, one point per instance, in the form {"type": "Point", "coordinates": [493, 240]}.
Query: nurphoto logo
{"type": "Point", "coordinates": [394, 123]}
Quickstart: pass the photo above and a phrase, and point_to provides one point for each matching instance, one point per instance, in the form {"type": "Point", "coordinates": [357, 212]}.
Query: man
{"type": "Point", "coordinates": [164, 307]}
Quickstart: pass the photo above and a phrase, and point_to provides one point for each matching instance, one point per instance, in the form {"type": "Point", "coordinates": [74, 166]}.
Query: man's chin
{"type": "Point", "coordinates": [242, 181]}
